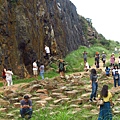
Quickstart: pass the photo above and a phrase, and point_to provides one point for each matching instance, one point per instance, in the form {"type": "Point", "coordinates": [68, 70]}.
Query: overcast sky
{"type": "Point", "coordinates": [105, 15]}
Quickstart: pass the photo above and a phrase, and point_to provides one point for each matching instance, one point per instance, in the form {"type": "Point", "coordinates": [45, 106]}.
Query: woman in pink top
{"type": "Point", "coordinates": [112, 60]}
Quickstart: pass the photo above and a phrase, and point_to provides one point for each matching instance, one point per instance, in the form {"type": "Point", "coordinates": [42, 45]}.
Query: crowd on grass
{"type": "Point", "coordinates": [106, 96]}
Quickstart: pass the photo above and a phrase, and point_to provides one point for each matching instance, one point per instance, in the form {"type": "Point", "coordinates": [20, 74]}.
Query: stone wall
{"type": "Point", "coordinates": [27, 25]}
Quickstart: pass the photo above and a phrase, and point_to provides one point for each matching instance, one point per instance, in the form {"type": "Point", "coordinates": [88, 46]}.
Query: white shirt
{"type": "Point", "coordinates": [87, 65]}
{"type": "Point", "coordinates": [35, 66]}
{"type": "Point", "coordinates": [47, 49]}
{"type": "Point", "coordinates": [114, 71]}
{"type": "Point", "coordinates": [115, 49]}
{"type": "Point", "coordinates": [9, 75]}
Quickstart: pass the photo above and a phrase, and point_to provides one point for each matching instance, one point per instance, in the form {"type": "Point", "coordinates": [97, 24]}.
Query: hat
{"type": "Point", "coordinates": [103, 52]}
{"type": "Point", "coordinates": [112, 53]}
{"type": "Point", "coordinates": [97, 53]}
{"type": "Point", "coordinates": [61, 60]}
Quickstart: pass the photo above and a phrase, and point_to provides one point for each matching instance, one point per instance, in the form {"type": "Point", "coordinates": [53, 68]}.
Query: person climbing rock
{"type": "Point", "coordinates": [47, 51]}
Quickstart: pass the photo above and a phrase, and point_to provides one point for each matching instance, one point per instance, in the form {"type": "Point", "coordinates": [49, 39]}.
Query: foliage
{"type": "Point", "coordinates": [84, 24]}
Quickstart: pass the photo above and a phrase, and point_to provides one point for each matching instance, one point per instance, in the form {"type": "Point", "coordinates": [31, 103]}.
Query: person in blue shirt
{"type": "Point", "coordinates": [42, 71]}
{"type": "Point", "coordinates": [26, 107]}
{"type": "Point", "coordinates": [107, 71]}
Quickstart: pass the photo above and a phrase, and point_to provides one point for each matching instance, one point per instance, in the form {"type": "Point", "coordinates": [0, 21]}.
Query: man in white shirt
{"type": "Point", "coordinates": [35, 68]}
{"type": "Point", "coordinates": [47, 50]}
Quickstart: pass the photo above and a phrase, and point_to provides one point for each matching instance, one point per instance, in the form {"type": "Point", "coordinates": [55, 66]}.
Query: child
{"type": "Point", "coordinates": [107, 71]}
{"type": "Point", "coordinates": [42, 71]}
{"type": "Point", "coordinates": [9, 74]}
{"type": "Point", "coordinates": [86, 66]}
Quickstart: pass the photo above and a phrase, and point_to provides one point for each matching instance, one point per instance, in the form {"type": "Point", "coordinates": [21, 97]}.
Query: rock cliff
{"type": "Point", "coordinates": [27, 25]}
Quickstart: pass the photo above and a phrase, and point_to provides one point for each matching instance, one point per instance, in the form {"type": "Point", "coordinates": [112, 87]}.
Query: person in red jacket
{"type": "Point", "coordinates": [4, 76]}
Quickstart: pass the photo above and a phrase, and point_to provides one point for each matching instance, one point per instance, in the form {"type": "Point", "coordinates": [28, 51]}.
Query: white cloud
{"type": "Point", "coordinates": [104, 14]}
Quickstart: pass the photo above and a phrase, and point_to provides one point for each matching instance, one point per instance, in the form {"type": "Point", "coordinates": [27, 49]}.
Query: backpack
{"type": "Point", "coordinates": [61, 66]}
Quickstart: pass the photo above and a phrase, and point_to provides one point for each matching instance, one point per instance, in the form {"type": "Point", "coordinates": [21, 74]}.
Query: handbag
{"type": "Point", "coordinates": [100, 102]}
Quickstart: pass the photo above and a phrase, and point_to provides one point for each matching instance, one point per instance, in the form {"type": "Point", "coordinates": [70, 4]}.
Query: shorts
{"type": "Point", "coordinates": [4, 77]}
{"type": "Point", "coordinates": [35, 72]}
{"type": "Point", "coordinates": [63, 70]}
{"type": "Point", "coordinates": [85, 59]}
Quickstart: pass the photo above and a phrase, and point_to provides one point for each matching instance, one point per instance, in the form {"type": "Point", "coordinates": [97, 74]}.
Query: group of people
{"type": "Point", "coordinates": [35, 69]}
{"type": "Point", "coordinates": [61, 67]}
{"type": "Point", "coordinates": [105, 109]}
{"type": "Point", "coordinates": [97, 60]}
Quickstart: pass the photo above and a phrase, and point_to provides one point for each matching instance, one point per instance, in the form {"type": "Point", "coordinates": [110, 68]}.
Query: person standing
{"type": "Point", "coordinates": [112, 60]}
{"type": "Point", "coordinates": [87, 67]}
{"type": "Point", "coordinates": [116, 77]}
{"type": "Point", "coordinates": [85, 57]}
{"type": "Point", "coordinates": [105, 109]}
{"type": "Point", "coordinates": [4, 77]}
{"type": "Point", "coordinates": [35, 68]}
{"type": "Point", "coordinates": [47, 50]}
{"type": "Point", "coordinates": [107, 70]}
{"type": "Point", "coordinates": [26, 107]}
{"type": "Point", "coordinates": [9, 74]}
{"type": "Point", "coordinates": [42, 71]}
{"type": "Point", "coordinates": [94, 84]}
{"type": "Point", "coordinates": [103, 58]}
{"type": "Point", "coordinates": [97, 56]}
{"type": "Point", "coordinates": [61, 68]}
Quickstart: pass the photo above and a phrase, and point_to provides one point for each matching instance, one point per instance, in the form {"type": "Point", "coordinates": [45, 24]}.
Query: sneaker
{"type": "Point", "coordinates": [90, 100]}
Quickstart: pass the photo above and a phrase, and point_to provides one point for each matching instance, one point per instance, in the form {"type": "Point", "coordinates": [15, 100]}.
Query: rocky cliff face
{"type": "Point", "coordinates": [27, 25]}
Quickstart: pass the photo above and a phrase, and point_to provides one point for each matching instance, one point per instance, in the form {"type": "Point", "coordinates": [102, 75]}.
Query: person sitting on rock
{"type": "Point", "coordinates": [26, 107]}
